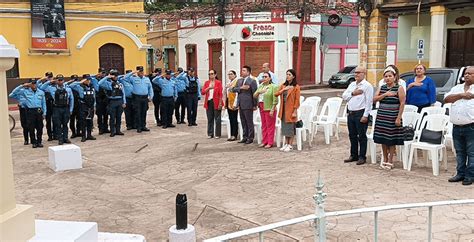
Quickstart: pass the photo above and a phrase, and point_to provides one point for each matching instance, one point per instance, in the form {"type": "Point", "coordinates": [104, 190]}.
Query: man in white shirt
{"type": "Point", "coordinates": [266, 68]}
{"type": "Point", "coordinates": [461, 115]}
{"type": "Point", "coordinates": [359, 96]}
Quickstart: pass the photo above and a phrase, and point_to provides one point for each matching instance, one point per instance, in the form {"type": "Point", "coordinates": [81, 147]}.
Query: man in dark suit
{"type": "Point", "coordinates": [246, 87]}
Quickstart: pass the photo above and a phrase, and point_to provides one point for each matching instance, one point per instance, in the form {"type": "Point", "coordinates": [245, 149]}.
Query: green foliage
{"type": "Point", "coordinates": [166, 6]}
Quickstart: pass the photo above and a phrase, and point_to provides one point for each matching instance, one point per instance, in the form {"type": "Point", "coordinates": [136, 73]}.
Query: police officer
{"type": "Point", "coordinates": [181, 99]}
{"type": "Point", "coordinates": [168, 95]}
{"type": "Point", "coordinates": [63, 104]}
{"type": "Point", "coordinates": [23, 120]}
{"type": "Point", "coordinates": [117, 101]}
{"type": "Point", "coordinates": [34, 101]}
{"type": "Point", "coordinates": [193, 95]}
{"type": "Point", "coordinates": [48, 76]}
{"type": "Point", "coordinates": [128, 110]}
{"type": "Point", "coordinates": [87, 103]}
{"type": "Point", "coordinates": [156, 96]}
{"type": "Point", "coordinates": [142, 93]}
{"type": "Point", "coordinates": [102, 102]}
{"type": "Point", "coordinates": [74, 120]}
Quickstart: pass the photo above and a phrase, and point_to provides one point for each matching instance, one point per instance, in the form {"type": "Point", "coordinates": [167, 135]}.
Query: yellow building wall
{"type": "Point", "coordinates": [16, 28]}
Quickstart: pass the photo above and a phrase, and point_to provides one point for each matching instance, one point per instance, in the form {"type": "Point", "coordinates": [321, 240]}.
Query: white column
{"type": "Point", "coordinates": [438, 36]}
{"type": "Point", "coordinates": [17, 222]}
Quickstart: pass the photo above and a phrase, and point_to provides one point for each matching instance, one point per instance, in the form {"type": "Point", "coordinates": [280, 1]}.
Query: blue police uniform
{"type": "Point", "coordinates": [129, 110]}
{"type": "Point", "coordinates": [142, 91]}
{"type": "Point", "coordinates": [63, 105]}
{"type": "Point", "coordinates": [101, 106]}
{"type": "Point", "coordinates": [34, 104]}
{"type": "Point", "coordinates": [23, 121]}
{"type": "Point", "coordinates": [181, 98]}
{"type": "Point", "coordinates": [116, 95]}
{"type": "Point", "coordinates": [168, 94]}
{"type": "Point", "coordinates": [49, 113]}
{"type": "Point", "coordinates": [193, 94]}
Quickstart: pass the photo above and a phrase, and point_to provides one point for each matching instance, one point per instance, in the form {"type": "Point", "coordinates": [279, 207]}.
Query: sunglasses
{"type": "Point", "coordinates": [211, 74]}
{"type": "Point", "coordinates": [265, 76]}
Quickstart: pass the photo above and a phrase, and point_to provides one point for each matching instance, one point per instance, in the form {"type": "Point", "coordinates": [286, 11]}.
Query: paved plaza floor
{"type": "Point", "coordinates": [231, 187]}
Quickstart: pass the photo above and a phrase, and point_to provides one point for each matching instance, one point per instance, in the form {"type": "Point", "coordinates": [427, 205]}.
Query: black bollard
{"type": "Point", "coordinates": [181, 211]}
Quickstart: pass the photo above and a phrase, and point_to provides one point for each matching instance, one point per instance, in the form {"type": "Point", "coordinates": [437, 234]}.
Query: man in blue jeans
{"type": "Point", "coordinates": [462, 116]}
{"type": "Point", "coordinates": [359, 96]}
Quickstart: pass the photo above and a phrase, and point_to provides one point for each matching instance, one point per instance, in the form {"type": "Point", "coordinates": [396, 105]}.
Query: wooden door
{"type": "Point", "coordinates": [307, 69]}
{"type": "Point", "coordinates": [111, 57]}
{"type": "Point", "coordinates": [191, 57]}
{"type": "Point", "coordinates": [460, 48]}
{"type": "Point", "coordinates": [171, 57]}
{"type": "Point", "coordinates": [215, 61]}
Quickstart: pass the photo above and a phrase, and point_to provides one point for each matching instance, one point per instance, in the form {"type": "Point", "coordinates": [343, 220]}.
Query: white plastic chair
{"type": "Point", "coordinates": [371, 146]}
{"type": "Point", "coordinates": [448, 137]}
{"type": "Point", "coordinates": [434, 122]}
{"type": "Point", "coordinates": [257, 124]}
{"type": "Point", "coordinates": [447, 108]}
{"type": "Point", "coordinates": [437, 104]}
{"type": "Point", "coordinates": [330, 109]}
{"type": "Point", "coordinates": [306, 114]}
{"type": "Point", "coordinates": [410, 108]}
{"type": "Point", "coordinates": [301, 100]}
{"type": "Point", "coordinates": [342, 119]}
{"type": "Point", "coordinates": [408, 119]}
{"type": "Point", "coordinates": [430, 110]}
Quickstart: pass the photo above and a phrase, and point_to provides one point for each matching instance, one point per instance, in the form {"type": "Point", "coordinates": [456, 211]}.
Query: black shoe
{"type": "Point", "coordinates": [60, 142]}
{"type": "Point", "coordinates": [74, 136]}
{"type": "Point", "coordinates": [190, 124]}
{"type": "Point", "coordinates": [119, 133]}
{"type": "Point", "coordinates": [34, 146]}
{"type": "Point", "coordinates": [39, 145]}
{"type": "Point", "coordinates": [164, 127]}
{"type": "Point", "coordinates": [146, 129]}
{"type": "Point", "coordinates": [195, 124]}
{"type": "Point", "coordinates": [350, 159]}
{"type": "Point", "coordinates": [361, 162]}
{"type": "Point", "coordinates": [248, 142]}
{"type": "Point", "coordinates": [50, 139]}
{"type": "Point", "coordinates": [178, 122]}
{"type": "Point", "coordinates": [242, 141]}
{"type": "Point", "coordinates": [26, 142]}
{"type": "Point", "coordinates": [183, 122]}
{"type": "Point", "coordinates": [467, 182]}
{"type": "Point", "coordinates": [83, 139]}
{"type": "Point", "coordinates": [67, 141]}
{"type": "Point", "coordinates": [456, 178]}
{"type": "Point", "coordinates": [171, 126]}
{"type": "Point", "coordinates": [101, 132]}
{"type": "Point", "coordinates": [159, 124]}
{"type": "Point", "coordinates": [106, 131]}
{"type": "Point", "coordinates": [91, 138]}
{"type": "Point", "coordinates": [129, 128]}
{"type": "Point", "coordinates": [139, 130]}
{"type": "Point", "coordinates": [112, 134]}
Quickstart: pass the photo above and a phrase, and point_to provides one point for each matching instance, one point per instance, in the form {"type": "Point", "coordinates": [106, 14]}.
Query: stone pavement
{"type": "Point", "coordinates": [231, 187]}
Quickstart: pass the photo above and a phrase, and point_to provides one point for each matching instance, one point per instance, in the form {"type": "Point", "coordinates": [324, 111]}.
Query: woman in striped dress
{"type": "Point", "coordinates": [388, 124]}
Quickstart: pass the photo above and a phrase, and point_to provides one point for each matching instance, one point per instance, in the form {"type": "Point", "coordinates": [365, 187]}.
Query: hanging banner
{"type": "Point", "coordinates": [48, 25]}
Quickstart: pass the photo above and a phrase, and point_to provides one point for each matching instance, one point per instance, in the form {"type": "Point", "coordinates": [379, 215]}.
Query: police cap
{"type": "Point", "coordinates": [157, 70]}
{"type": "Point", "coordinates": [140, 68]}
{"type": "Point", "coordinates": [74, 76]}
{"type": "Point", "coordinates": [32, 81]}
{"type": "Point", "coordinates": [168, 72]}
{"type": "Point", "coordinates": [190, 69]}
{"type": "Point", "coordinates": [114, 72]}
{"type": "Point", "coordinates": [180, 69]}
{"type": "Point", "coordinates": [60, 77]}
{"type": "Point", "coordinates": [128, 71]}
{"type": "Point", "coordinates": [86, 76]}
{"type": "Point", "coordinates": [101, 70]}
{"type": "Point", "coordinates": [48, 74]}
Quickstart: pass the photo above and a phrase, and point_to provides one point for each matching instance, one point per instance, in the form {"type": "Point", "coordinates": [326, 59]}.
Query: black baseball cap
{"type": "Point", "coordinates": [60, 77]}
{"type": "Point", "coordinates": [114, 72]}
{"type": "Point", "coordinates": [128, 71]}
{"type": "Point", "coordinates": [101, 70]}
{"type": "Point", "coordinates": [48, 74]}
{"type": "Point", "coordinates": [157, 70]}
{"type": "Point", "coordinates": [139, 68]}
{"type": "Point", "coordinates": [32, 81]}
{"type": "Point", "coordinates": [86, 76]}
{"type": "Point", "coordinates": [180, 69]}
{"type": "Point", "coordinates": [168, 72]}
{"type": "Point", "coordinates": [74, 76]}
{"type": "Point", "coordinates": [190, 69]}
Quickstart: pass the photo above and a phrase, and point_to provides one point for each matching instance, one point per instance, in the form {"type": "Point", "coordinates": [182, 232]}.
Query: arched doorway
{"type": "Point", "coordinates": [111, 57]}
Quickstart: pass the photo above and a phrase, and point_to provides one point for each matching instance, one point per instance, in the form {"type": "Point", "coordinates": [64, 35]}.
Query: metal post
{"type": "Point", "coordinates": [260, 237]}
{"type": "Point", "coordinates": [376, 225]}
{"type": "Point", "coordinates": [430, 218]}
{"type": "Point", "coordinates": [319, 197]}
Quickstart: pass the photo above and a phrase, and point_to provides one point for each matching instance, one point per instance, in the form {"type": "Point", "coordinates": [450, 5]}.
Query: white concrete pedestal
{"type": "Point", "coordinates": [65, 231]}
{"type": "Point", "coordinates": [117, 237]}
{"type": "Point", "coordinates": [187, 235]}
{"type": "Point", "coordinates": [65, 157]}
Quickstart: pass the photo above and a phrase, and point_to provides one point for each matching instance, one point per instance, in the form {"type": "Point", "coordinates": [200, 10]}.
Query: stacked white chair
{"type": "Point", "coordinates": [342, 119]}
{"type": "Point", "coordinates": [437, 104]}
{"type": "Point", "coordinates": [306, 114]}
{"type": "Point", "coordinates": [257, 124]}
{"type": "Point", "coordinates": [434, 122]}
{"type": "Point", "coordinates": [225, 121]}
{"type": "Point", "coordinates": [429, 111]}
{"type": "Point", "coordinates": [330, 109]}
{"type": "Point", "coordinates": [448, 137]}
{"type": "Point", "coordinates": [371, 146]}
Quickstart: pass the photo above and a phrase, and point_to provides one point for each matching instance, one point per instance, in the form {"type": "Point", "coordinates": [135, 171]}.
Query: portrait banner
{"type": "Point", "coordinates": [48, 25]}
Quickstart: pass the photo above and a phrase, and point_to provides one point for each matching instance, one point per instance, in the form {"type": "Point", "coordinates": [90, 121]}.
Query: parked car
{"type": "Point", "coordinates": [343, 78]}
{"type": "Point", "coordinates": [444, 78]}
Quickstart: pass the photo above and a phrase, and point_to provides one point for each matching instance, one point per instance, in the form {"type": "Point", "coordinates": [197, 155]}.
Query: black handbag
{"type": "Point", "coordinates": [430, 136]}
{"type": "Point", "coordinates": [408, 133]}
{"type": "Point", "coordinates": [299, 124]}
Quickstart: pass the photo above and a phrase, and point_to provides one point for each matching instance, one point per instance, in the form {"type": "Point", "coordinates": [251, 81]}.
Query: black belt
{"type": "Point", "coordinates": [349, 112]}
{"type": "Point", "coordinates": [140, 96]}
{"type": "Point", "coordinates": [464, 125]}
{"type": "Point", "coordinates": [181, 93]}
{"type": "Point", "coordinates": [168, 97]}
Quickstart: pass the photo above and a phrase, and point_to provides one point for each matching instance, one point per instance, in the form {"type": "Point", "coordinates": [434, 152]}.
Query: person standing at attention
{"type": "Point", "coordinates": [289, 93]}
{"type": "Point", "coordinates": [359, 96]}
{"type": "Point", "coordinates": [246, 87]}
{"type": "Point", "coordinates": [462, 116]}
{"type": "Point", "coordinates": [212, 91]}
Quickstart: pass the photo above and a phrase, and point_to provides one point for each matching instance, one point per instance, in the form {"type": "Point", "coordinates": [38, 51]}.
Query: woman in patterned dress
{"type": "Point", "coordinates": [388, 124]}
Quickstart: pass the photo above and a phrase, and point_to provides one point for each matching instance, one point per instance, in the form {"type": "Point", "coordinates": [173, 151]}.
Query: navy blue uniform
{"type": "Point", "coordinates": [116, 96]}
{"type": "Point", "coordinates": [63, 104]}
{"type": "Point", "coordinates": [87, 103]}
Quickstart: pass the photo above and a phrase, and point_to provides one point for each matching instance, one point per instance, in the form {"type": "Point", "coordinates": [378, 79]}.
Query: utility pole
{"type": "Point", "coordinates": [300, 39]}
{"type": "Point", "coordinates": [221, 22]}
